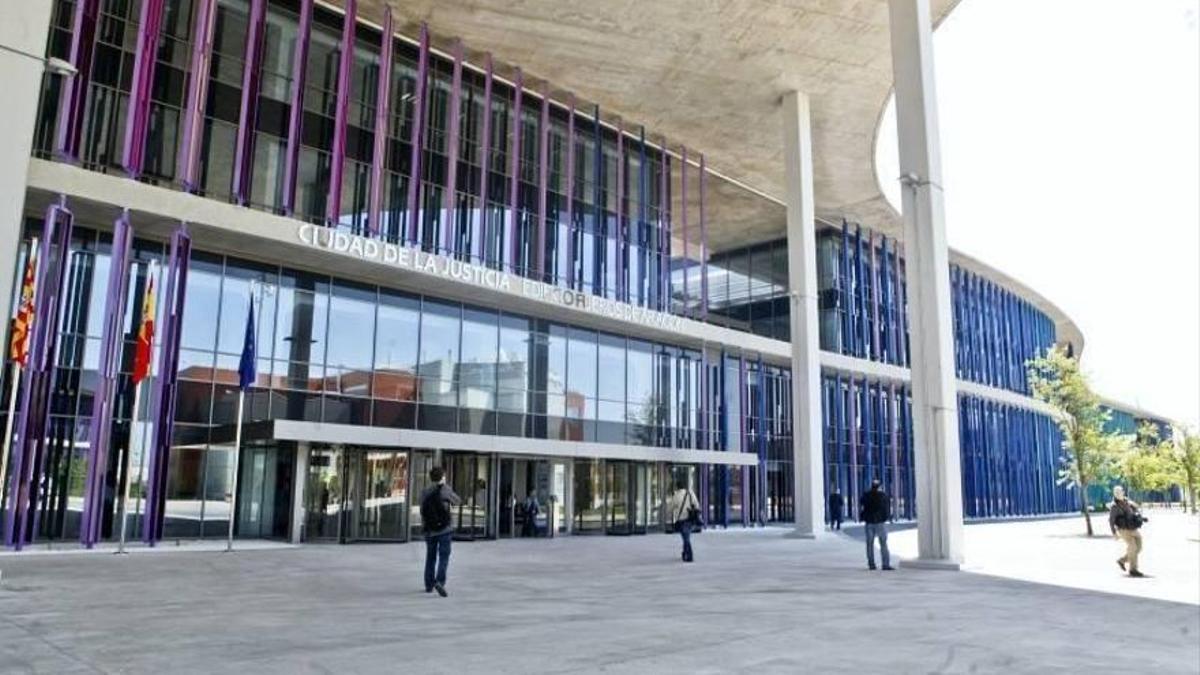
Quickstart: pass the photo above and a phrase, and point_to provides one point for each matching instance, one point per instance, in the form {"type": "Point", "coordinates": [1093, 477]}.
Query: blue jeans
{"type": "Point", "coordinates": [684, 528]}
{"type": "Point", "coordinates": [873, 531]}
{"type": "Point", "coordinates": [437, 552]}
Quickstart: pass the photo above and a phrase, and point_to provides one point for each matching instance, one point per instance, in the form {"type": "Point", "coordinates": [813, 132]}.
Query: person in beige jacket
{"type": "Point", "coordinates": [1125, 521]}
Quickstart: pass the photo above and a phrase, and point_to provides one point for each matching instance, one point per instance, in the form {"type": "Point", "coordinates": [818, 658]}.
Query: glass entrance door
{"type": "Point", "coordinates": [468, 475]}
{"type": "Point", "coordinates": [377, 496]}
{"type": "Point", "coordinates": [627, 488]}
{"type": "Point", "coordinates": [617, 497]}
{"type": "Point", "coordinates": [323, 490]}
{"type": "Point", "coordinates": [356, 494]}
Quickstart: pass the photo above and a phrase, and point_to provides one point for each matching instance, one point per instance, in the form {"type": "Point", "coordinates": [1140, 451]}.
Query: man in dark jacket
{"type": "Point", "coordinates": [1125, 521]}
{"type": "Point", "coordinates": [836, 502]}
{"type": "Point", "coordinates": [435, 502]}
{"type": "Point", "coordinates": [875, 510]}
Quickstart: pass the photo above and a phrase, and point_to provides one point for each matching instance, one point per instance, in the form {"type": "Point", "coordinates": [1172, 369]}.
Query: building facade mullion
{"type": "Point", "coordinates": [337, 160]}
{"type": "Point", "coordinates": [72, 106]}
{"type": "Point", "coordinates": [192, 125]}
{"type": "Point", "coordinates": [539, 256]}
{"type": "Point", "coordinates": [485, 161]}
{"type": "Point", "coordinates": [291, 158]}
{"type": "Point", "coordinates": [703, 246]}
{"type": "Point", "coordinates": [683, 217]}
{"type": "Point", "coordinates": [453, 235]}
{"type": "Point", "coordinates": [137, 120]}
{"type": "Point", "coordinates": [383, 112]}
{"type": "Point", "coordinates": [417, 138]}
{"type": "Point", "coordinates": [513, 216]}
{"type": "Point", "coordinates": [243, 158]}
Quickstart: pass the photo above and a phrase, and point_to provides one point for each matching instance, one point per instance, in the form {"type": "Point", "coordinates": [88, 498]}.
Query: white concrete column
{"type": "Point", "coordinates": [299, 481]}
{"type": "Point", "coordinates": [808, 466]}
{"type": "Point", "coordinates": [934, 397]}
{"type": "Point", "coordinates": [23, 33]}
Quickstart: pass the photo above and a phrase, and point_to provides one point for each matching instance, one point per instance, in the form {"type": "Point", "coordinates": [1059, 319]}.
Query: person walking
{"type": "Point", "coordinates": [836, 503]}
{"type": "Point", "coordinates": [875, 510]}
{"type": "Point", "coordinates": [1125, 520]}
{"type": "Point", "coordinates": [684, 509]}
{"type": "Point", "coordinates": [532, 509]}
{"type": "Point", "coordinates": [436, 501]}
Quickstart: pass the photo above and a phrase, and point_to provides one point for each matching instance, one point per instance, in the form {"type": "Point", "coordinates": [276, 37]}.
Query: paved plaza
{"type": "Point", "coordinates": [755, 601]}
{"type": "Point", "coordinates": [1058, 551]}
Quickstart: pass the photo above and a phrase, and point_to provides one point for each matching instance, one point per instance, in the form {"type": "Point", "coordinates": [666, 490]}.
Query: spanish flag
{"type": "Point", "coordinates": [18, 348]}
{"type": "Point", "coordinates": [145, 334]}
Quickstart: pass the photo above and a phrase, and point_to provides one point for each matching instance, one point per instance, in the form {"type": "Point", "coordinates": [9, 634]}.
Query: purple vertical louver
{"type": "Point", "coordinates": [451, 235]}
{"type": "Point", "coordinates": [69, 130]}
{"type": "Point", "coordinates": [383, 107]}
{"type": "Point", "coordinates": [165, 384]}
{"type": "Point", "coordinates": [569, 191]}
{"type": "Point", "coordinates": [417, 137]}
{"type": "Point", "coordinates": [514, 177]}
{"type": "Point", "coordinates": [543, 160]}
{"type": "Point", "coordinates": [104, 399]}
{"type": "Point", "coordinates": [875, 283]}
{"type": "Point", "coordinates": [137, 118]}
{"type": "Point", "coordinates": [703, 248]}
{"type": "Point", "coordinates": [664, 230]}
{"type": "Point", "coordinates": [852, 424]}
{"type": "Point", "coordinates": [683, 207]}
{"type": "Point", "coordinates": [619, 235]}
{"type": "Point", "coordinates": [192, 127]}
{"type": "Point", "coordinates": [337, 160]}
{"type": "Point", "coordinates": [243, 155]}
{"type": "Point", "coordinates": [901, 311]}
{"type": "Point", "coordinates": [291, 160]}
{"type": "Point", "coordinates": [28, 448]}
{"type": "Point", "coordinates": [485, 161]}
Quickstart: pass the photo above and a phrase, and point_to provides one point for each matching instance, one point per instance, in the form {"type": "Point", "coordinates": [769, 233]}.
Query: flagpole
{"type": "Point", "coordinates": [237, 452]}
{"type": "Point", "coordinates": [28, 285]}
{"type": "Point", "coordinates": [8, 428]}
{"type": "Point", "coordinates": [246, 376]}
{"type": "Point", "coordinates": [133, 424]}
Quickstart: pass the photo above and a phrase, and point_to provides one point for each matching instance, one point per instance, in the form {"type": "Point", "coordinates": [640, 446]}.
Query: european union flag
{"type": "Point", "coordinates": [246, 367]}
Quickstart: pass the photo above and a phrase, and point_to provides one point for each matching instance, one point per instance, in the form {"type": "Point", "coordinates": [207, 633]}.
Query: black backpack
{"type": "Point", "coordinates": [434, 513]}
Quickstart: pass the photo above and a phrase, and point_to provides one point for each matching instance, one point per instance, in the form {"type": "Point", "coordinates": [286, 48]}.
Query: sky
{"type": "Point", "coordinates": [1070, 136]}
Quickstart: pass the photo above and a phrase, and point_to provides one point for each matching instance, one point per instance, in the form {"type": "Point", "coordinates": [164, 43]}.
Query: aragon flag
{"type": "Point", "coordinates": [145, 334]}
{"type": "Point", "coordinates": [18, 348]}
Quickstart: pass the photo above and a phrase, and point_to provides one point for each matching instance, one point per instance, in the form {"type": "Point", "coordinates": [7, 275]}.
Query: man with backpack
{"type": "Point", "coordinates": [436, 501]}
{"type": "Point", "coordinates": [874, 510]}
{"type": "Point", "coordinates": [1125, 521]}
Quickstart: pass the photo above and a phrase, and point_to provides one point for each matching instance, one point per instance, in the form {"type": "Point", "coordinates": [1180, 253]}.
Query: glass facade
{"type": "Point", "coordinates": [1010, 456]}
{"type": "Point", "coordinates": [558, 196]}
{"type": "Point", "coordinates": [335, 351]}
{"type": "Point", "coordinates": [862, 306]}
{"type": "Point", "coordinates": [513, 182]}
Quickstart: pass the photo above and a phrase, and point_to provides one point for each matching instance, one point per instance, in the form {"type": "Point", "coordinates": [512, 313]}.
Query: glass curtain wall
{"type": "Point", "coordinates": [615, 243]}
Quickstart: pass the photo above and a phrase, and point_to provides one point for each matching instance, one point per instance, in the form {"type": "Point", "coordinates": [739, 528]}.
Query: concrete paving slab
{"type": "Point", "coordinates": [755, 601]}
{"type": "Point", "coordinates": [1059, 552]}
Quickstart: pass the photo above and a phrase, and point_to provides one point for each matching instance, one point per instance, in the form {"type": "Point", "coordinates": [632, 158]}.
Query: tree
{"type": "Point", "coordinates": [1091, 454]}
{"type": "Point", "coordinates": [1148, 464]}
{"type": "Point", "coordinates": [1186, 455]}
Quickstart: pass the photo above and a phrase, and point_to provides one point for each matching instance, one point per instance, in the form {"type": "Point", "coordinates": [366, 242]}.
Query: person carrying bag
{"type": "Point", "coordinates": [685, 509]}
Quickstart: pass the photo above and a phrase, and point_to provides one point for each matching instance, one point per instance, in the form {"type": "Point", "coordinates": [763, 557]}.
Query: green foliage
{"type": "Point", "coordinates": [1149, 464]}
{"type": "Point", "coordinates": [1185, 457]}
{"type": "Point", "coordinates": [1090, 454]}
